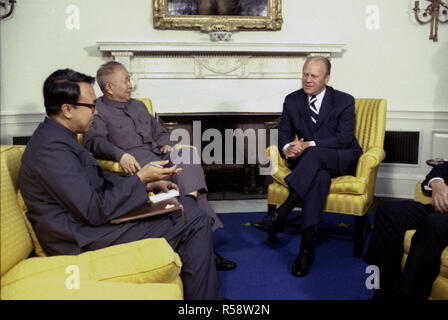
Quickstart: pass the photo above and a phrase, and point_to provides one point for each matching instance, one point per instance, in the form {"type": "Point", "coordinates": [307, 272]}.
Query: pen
{"type": "Point", "coordinates": [156, 165]}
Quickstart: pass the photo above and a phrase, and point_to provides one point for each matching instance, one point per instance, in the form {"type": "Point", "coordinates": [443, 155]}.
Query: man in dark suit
{"type": "Point", "coordinates": [385, 250]}
{"type": "Point", "coordinates": [71, 201]}
{"type": "Point", "coordinates": [323, 121]}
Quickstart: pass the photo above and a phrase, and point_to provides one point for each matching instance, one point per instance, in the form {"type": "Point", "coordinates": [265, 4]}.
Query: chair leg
{"type": "Point", "coordinates": [271, 208]}
{"type": "Point", "coordinates": [361, 223]}
{"type": "Point", "coordinates": [272, 235]}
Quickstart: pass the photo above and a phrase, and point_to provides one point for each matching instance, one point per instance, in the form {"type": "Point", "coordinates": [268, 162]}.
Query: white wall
{"type": "Point", "coordinates": [396, 61]}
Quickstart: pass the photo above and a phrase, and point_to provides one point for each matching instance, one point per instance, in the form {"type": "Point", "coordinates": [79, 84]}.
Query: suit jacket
{"type": "Point", "coordinates": [125, 128]}
{"type": "Point", "coordinates": [70, 200]}
{"type": "Point", "coordinates": [440, 171]}
{"type": "Point", "coordinates": [334, 127]}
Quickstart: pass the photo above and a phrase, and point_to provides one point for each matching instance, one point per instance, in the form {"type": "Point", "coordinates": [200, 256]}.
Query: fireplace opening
{"type": "Point", "coordinates": [231, 147]}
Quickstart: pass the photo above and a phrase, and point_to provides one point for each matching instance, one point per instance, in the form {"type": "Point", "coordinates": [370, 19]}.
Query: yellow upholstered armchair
{"type": "Point", "coordinates": [352, 195]}
{"type": "Point", "coordinates": [145, 269]}
{"type": "Point", "coordinates": [440, 285]}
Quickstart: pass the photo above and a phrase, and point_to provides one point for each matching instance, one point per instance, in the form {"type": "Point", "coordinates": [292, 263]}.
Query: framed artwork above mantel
{"type": "Point", "coordinates": [217, 15]}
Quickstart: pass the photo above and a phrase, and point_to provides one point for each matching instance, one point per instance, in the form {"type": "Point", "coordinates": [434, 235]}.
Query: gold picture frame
{"type": "Point", "coordinates": [175, 14]}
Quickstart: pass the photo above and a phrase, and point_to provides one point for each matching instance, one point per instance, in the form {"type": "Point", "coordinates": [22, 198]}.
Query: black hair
{"type": "Point", "coordinates": [62, 87]}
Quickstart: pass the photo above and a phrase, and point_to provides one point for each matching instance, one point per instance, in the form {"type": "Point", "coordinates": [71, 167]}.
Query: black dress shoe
{"type": "Point", "coordinates": [223, 264]}
{"type": "Point", "coordinates": [271, 223]}
{"type": "Point", "coordinates": [303, 262]}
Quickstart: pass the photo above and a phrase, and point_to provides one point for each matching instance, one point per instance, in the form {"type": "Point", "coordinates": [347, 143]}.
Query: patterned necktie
{"type": "Point", "coordinates": [313, 109]}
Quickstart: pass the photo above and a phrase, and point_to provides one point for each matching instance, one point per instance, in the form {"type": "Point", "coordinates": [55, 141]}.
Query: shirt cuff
{"type": "Point", "coordinates": [427, 186]}
{"type": "Point", "coordinates": [312, 143]}
{"type": "Point", "coordinates": [284, 149]}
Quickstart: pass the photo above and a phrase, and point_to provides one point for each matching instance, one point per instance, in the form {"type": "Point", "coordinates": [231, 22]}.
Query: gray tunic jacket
{"type": "Point", "coordinates": [70, 200]}
{"type": "Point", "coordinates": [125, 128]}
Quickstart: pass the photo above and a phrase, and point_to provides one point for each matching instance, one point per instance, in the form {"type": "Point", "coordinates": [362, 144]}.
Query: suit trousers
{"type": "Point", "coordinates": [311, 179]}
{"type": "Point", "coordinates": [385, 250]}
{"type": "Point", "coordinates": [192, 178]}
{"type": "Point", "coordinates": [192, 240]}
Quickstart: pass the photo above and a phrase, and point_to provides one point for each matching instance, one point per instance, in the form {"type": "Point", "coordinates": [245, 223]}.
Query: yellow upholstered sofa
{"type": "Point", "coordinates": [352, 195]}
{"type": "Point", "coordinates": [440, 285]}
{"type": "Point", "coordinates": [145, 269]}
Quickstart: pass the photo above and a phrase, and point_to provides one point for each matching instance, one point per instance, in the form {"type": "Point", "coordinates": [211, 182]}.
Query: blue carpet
{"type": "Point", "coordinates": [264, 268]}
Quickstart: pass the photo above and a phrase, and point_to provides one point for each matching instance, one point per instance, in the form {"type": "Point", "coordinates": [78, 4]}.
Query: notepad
{"type": "Point", "coordinates": [151, 209]}
{"type": "Point", "coordinates": [164, 196]}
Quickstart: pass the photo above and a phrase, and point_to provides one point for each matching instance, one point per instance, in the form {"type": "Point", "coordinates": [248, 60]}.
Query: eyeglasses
{"type": "Point", "coordinates": [88, 105]}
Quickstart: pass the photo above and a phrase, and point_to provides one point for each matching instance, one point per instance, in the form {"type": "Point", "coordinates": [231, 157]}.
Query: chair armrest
{"type": "Point", "coordinates": [276, 159]}
{"type": "Point", "coordinates": [111, 166]}
{"type": "Point", "coordinates": [115, 167]}
{"type": "Point", "coordinates": [369, 160]}
{"type": "Point", "coordinates": [279, 166]}
{"type": "Point", "coordinates": [421, 197]}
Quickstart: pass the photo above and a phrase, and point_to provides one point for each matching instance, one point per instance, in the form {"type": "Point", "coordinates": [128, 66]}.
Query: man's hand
{"type": "Point", "coordinates": [439, 196]}
{"type": "Point", "coordinates": [166, 148]}
{"type": "Point", "coordinates": [161, 186]}
{"type": "Point", "coordinates": [296, 148]}
{"type": "Point", "coordinates": [150, 173]}
{"type": "Point", "coordinates": [129, 163]}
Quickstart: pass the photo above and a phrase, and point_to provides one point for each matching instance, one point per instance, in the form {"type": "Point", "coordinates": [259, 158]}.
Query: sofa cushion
{"type": "Point", "coordinates": [55, 289]}
{"type": "Point", "coordinates": [348, 185]}
{"type": "Point", "coordinates": [148, 260]}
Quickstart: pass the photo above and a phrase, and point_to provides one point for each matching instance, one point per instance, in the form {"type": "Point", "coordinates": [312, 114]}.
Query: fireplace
{"type": "Point", "coordinates": [231, 148]}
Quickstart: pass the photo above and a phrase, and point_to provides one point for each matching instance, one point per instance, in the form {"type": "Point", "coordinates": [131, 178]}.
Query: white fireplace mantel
{"type": "Point", "coordinates": [199, 60]}
{"type": "Point", "coordinates": [191, 47]}
{"type": "Point", "coordinates": [215, 76]}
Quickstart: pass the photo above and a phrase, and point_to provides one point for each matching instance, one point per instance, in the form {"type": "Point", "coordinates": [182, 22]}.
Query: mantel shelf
{"type": "Point", "coordinates": [228, 47]}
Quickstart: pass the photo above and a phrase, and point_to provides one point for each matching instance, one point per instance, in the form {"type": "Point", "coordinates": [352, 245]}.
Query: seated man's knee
{"type": "Point", "coordinates": [193, 213]}
{"type": "Point", "coordinates": [436, 223]}
{"type": "Point", "coordinates": [393, 211]}
{"type": "Point", "coordinates": [323, 176]}
{"type": "Point", "coordinates": [184, 155]}
{"type": "Point", "coordinates": [314, 153]}
{"type": "Point", "coordinates": [200, 218]}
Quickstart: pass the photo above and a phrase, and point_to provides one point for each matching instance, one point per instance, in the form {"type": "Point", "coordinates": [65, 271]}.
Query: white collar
{"type": "Point", "coordinates": [320, 96]}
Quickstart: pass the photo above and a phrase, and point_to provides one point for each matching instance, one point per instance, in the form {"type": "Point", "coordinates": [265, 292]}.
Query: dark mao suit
{"type": "Point", "coordinates": [71, 201]}
{"type": "Point", "coordinates": [336, 152]}
{"type": "Point", "coordinates": [385, 250]}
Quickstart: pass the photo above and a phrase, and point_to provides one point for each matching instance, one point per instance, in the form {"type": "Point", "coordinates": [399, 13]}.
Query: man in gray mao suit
{"type": "Point", "coordinates": [125, 131]}
{"type": "Point", "coordinates": [71, 201]}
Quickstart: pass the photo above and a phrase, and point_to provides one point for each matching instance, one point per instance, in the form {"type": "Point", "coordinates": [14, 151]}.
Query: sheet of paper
{"type": "Point", "coordinates": [163, 196]}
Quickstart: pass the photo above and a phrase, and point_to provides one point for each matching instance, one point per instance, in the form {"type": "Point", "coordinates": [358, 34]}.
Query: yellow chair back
{"type": "Point", "coordinates": [148, 104]}
{"type": "Point", "coordinates": [370, 113]}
